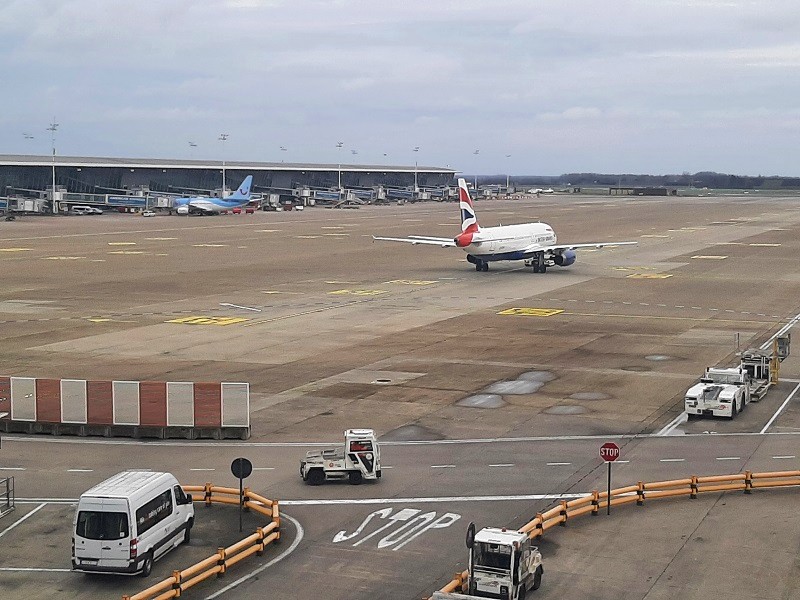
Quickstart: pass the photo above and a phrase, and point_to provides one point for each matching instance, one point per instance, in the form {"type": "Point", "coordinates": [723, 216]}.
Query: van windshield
{"type": "Point", "coordinates": [493, 556]}
{"type": "Point", "coordinates": [99, 525]}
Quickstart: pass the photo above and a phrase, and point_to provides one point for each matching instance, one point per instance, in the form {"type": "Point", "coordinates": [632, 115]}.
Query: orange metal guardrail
{"type": "Point", "coordinates": [218, 563]}
{"type": "Point", "coordinates": [690, 486]}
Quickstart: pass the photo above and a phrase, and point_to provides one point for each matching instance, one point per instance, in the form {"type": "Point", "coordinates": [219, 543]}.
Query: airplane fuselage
{"type": "Point", "coordinates": [510, 242]}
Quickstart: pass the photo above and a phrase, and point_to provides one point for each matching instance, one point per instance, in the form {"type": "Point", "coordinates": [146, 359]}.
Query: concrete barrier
{"type": "Point", "coordinates": [125, 408]}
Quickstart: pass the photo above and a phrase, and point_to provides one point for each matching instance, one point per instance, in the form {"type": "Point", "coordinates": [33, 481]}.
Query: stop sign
{"type": "Point", "coordinates": [609, 452]}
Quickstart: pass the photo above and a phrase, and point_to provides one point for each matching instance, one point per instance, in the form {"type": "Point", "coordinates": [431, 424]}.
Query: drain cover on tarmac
{"type": "Point", "coordinates": [543, 376]}
{"type": "Point", "coordinates": [590, 396]}
{"type": "Point", "coordinates": [518, 386]}
{"type": "Point", "coordinates": [482, 401]}
{"type": "Point", "coordinates": [566, 410]}
{"type": "Point", "coordinates": [411, 432]}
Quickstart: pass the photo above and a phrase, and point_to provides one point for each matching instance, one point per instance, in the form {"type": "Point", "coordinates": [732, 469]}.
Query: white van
{"type": "Point", "coordinates": [125, 523]}
{"type": "Point", "coordinates": [85, 210]}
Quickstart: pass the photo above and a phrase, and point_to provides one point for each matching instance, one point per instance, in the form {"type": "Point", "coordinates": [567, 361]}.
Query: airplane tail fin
{"type": "Point", "coordinates": [469, 222]}
{"type": "Point", "coordinates": [243, 191]}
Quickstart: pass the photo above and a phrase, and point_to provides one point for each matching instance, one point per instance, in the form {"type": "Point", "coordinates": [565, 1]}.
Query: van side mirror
{"type": "Point", "coordinates": [189, 499]}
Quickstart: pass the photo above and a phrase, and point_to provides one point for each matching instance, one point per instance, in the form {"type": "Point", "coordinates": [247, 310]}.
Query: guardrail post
{"type": "Point", "coordinates": [276, 517]}
{"type": "Point", "coordinates": [221, 561]}
{"type": "Point", "coordinates": [207, 493]}
{"type": "Point", "coordinates": [260, 533]}
{"type": "Point", "coordinates": [693, 487]}
{"type": "Point", "coordinates": [640, 494]}
{"type": "Point", "coordinates": [595, 503]}
{"type": "Point", "coordinates": [540, 524]}
{"type": "Point", "coordinates": [564, 513]}
{"type": "Point", "coordinates": [748, 482]}
{"type": "Point", "coordinates": [176, 585]}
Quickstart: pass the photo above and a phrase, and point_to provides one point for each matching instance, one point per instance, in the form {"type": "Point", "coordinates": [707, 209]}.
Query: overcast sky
{"type": "Point", "coordinates": [642, 86]}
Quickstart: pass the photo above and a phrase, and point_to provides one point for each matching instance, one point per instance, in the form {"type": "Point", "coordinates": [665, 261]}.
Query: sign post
{"type": "Point", "coordinates": [241, 468]}
{"type": "Point", "coordinates": [609, 452]}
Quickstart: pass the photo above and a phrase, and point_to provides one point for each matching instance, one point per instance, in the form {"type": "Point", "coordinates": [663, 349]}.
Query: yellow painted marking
{"type": "Point", "coordinates": [208, 320]}
{"type": "Point", "coordinates": [281, 292]}
{"type": "Point", "coordinates": [121, 243]}
{"type": "Point", "coordinates": [64, 257]}
{"type": "Point", "coordinates": [710, 256]}
{"type": "Point", "coordinates": [337, 234]}
{"type": "Point", "coordinates": [162, 254]}
{"type": "Point", "coordinates": [649, 276]}
{"type": "Point", "coordinates": [332, 227]}
{"type": "Point", "coordinates": [14, 249]}
{"type": "Point", "coordinates": [652, 235]}
{"type": "Point", "coordinates": [359, 292]}
{"type": "Point", "coordinates": [127, 252]}
{"type": "Point", "coordinates": [98, 260]}
{"type": "Point", "coordinates": [306, 237]}
{"type": "Point", "coordinates": [268, 230]}
{"type": "Point", "coordinates": [341, 282]}
{"type": "Point", "coordinates": [764, 245]}
{"type": "Point", "coordinates": [532, 312]}
{"type": "Point", "coordinates": [693, 228]}
{"type": "Point", "coordinates": [98, 320]}
{"type": "Point", "coordinates": [209, 245]}
{"type": "Point", "coordinates": [410, 282]}
{"type": "Point", "coordinates": [634, 268]}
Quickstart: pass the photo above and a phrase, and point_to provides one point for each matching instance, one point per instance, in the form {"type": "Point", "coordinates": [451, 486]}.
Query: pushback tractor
{"type": "Point", "coordinates": [357, 460]}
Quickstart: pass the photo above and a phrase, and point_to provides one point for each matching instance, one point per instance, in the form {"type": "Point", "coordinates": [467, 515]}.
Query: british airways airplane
{"type": "Point", "coordinates": [204, 205]}
{"type": "Point", "coordinates": [535, 243]}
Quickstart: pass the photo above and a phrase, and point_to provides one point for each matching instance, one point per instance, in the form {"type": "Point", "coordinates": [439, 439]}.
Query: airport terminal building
{"type": "Point", "coordinates": [31, 176]}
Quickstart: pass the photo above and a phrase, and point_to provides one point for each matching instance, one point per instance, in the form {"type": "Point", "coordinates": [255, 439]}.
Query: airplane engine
{"type": "Point", "coordinates": [182, 210]}
{"type": "Point", "coordinates": [463, 239]}
{"type": "Point", "coordinates": [565, 259]}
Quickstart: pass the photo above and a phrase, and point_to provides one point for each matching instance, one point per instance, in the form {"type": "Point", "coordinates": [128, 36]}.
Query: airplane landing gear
{"type": "Point", "coordinates": [538, 263]}
{"type": "Point", "coordinates": [481, 265]}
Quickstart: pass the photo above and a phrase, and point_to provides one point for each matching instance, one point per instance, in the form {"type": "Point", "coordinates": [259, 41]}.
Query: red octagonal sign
{"type": "Point", "coordinates": [609, 452]}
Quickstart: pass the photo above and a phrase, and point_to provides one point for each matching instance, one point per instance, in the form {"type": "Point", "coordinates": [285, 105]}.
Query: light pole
{"type": "Point", "coordinates": [507, 175]}
{"type": "Point", "coordinates": [339, 145]}
{"type": "Point", "coordinates": [192, 146]}
{"type": "Point", "coordinates": [283, 149]}
{"type": "Point", "coordinates": [476, 171]}
{"type": "Point", "coordinates": [222, 137]}
{"type": "Point", "coordinates": [416, 187]}
{"type": "Point", "coordinates": [52, 129]}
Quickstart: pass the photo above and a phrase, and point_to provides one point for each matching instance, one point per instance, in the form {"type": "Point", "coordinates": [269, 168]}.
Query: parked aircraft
{"type": "Point", "coordinates": [205, 205]}
{"type": "Point", "coordinates": [535, 243]}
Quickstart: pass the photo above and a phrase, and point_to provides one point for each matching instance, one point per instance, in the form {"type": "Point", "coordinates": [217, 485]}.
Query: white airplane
{"type": "Point", "coordinates": [535, 243]}
{"type": "Point", "coordinates": [204, 205]}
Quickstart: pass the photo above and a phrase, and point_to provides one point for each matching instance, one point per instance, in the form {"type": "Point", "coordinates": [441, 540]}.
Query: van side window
{"type": "Point", "coordinates": [154, 511]}
{"type": "Point", "coordinates": [180, 497]}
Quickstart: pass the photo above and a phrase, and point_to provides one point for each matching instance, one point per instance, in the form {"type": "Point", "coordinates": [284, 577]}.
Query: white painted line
{"type": "Point", "coordinates": [783, 457]}
{"type": "Point", "coordinates": [20, 520]}
{"type": "Point", "coordinates": [780, 409]}
{"type": "Point", "coordinates": [263, 468]}
{"type": "Point", "coordinates": [621, 462]}
{"type": "Point", "coordinates": [443, 466]}
{"type": "Point", "coordinates": [558, 464]}
{"type": "Point", "coordinates": [204, 469]}
{"type": "Point", "coordinates": [12, 468]}
{"type": "Point", "coordinates": [670, 427]}
{"type": "Point", "coordinates": [729, 458]}
{"type": "Point", "coordinates": [430, 500]}
{"type": "Point", "coordinates": [387, 467]}
{"type": "Point", "coordinates": [781, 331]}
{"type": "Point", "coordinates": [296, 542]}
{"type": "Point", "coordinates": [34, 569]}
{"type": "Point", "coordinates": [238, 306]}
{"type": "Point", "coordinates": [503, 465]}
{"type": "Point", "coordinates": [80, 470]}
{"type": "Point", "coordinates": [672, 460]}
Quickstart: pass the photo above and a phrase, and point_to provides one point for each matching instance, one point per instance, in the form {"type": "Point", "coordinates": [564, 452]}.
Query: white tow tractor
{"type": "Point", "coordinates": [502, 564]}
{"type": "Point", "coordinates": [358, 459]}
{"type": "Point", "coordinates": [721, 392]}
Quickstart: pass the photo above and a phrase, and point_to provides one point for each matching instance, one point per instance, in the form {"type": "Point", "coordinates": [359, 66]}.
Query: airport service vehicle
{"type": "Point", "coordinates": [358, 459]}
{"type": "Point", "coordinates": [85, 210]}
{"type": "Point", "coordinates": [502, 564]}
{"type": "Point", "coordinates": [534, 243]}
{"type": "Point", "coordinates": [149, 213]}
{"type": "Point", "coordinates": [721, 392]}
{"type": "Point", "coordinates": [128, 521]}
{"type": "Point", "coordinates": [204, 205]}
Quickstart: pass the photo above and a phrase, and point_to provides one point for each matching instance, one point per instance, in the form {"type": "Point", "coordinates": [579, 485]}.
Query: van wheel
{"type": "Point", "coordinates": [315, 477]}
{"type": "Point", "coordinates": [187, 533]}
{"type": "Point", "coordinates": [537, 578]}
{"type": "Point", "coordinates": [355, 477]}
{"type": "Point", "coordinates": [147, 566]}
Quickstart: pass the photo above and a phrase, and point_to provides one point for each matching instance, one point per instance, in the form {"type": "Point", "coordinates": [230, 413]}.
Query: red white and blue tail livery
{"type": "Point", "coordinates": [535, 243]}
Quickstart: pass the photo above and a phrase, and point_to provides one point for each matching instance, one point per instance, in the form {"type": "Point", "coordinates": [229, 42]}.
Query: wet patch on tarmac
{"type": "Point", "coordinates": [566, 409]}
{"type": "Point", "coordinates": [658, 357]}
{"type": "Point", "coordinates": [543, 376]}
{"type": "Point", "coordinates": [517, 387]}
{"type": "Point", "coordinates": [636, 368]}
{"type": "Point", "coordinates": [590, 396]}
{"type": "Point", "coordinates": [482, 401]}
{"type": "Point", "coordinates": [411, 432]}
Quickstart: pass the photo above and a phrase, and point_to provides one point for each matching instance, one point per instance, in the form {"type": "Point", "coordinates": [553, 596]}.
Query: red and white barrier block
{"type": "Point", "coordinates": [125, 408]}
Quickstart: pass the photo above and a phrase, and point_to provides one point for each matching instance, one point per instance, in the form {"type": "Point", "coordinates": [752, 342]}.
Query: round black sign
{"type": "Point", "coordinates": [241, 468]}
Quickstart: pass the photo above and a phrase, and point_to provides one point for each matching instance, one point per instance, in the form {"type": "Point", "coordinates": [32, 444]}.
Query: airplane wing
{"type": "Point", "coordinates": [419, 239]}
{"type": "Point", "coordinates": [560, 247]}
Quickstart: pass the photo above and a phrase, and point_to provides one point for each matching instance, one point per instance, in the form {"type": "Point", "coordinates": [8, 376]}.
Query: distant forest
{"type": "Point", "coordinates": [707, 179]}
